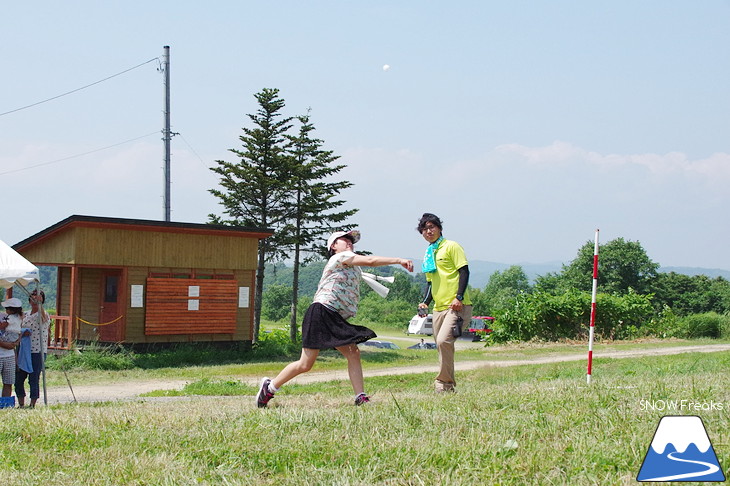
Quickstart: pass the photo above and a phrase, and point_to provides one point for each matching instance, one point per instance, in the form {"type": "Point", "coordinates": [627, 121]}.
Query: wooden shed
{"type": "Point", "coordinates": [139, 281]}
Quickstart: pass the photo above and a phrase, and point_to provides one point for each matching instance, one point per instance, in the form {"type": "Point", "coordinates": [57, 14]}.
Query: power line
{"type": "Point", "coordinates": [77, 155]}
{"type": "Point", "coordinates": [79, 89]}
{"type": "Point", "coordinates": [193, 150]}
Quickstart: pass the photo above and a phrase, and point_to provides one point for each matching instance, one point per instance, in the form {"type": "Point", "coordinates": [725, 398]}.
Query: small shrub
{"type": "Point", "coordinates": [708, 324]}
{"type": "Point", "coordinates": [394, 313]}
{"type": "Point", "coordinates": [276, 344]}
{"type": "Point", "coordinates": [725, 326]}
{"type": "Point", "coordinates": [94, 357]}
{"type": "Point", "coordinates": [664, 325]}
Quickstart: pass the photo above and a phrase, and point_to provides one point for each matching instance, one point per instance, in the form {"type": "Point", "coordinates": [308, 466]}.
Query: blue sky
{"type": "Point", "coordinates": [524, 125]}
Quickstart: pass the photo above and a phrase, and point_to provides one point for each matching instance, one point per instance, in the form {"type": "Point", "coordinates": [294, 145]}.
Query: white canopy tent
{"type": "Point", "coordinates": [15, 269]}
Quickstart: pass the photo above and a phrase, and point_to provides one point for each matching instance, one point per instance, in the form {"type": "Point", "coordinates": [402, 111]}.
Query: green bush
{"type": "Point", "coordinates": [393, 312]}
{"type": "Point", "coordinates": [93, 357]}
{"type": "Point", "coordinates": [622, 316]}
{"type": "Point", "coordinates": [515, 319]}
{"type": "Point", "coordinates": [709, 324]}
{"type": "Point", "coordinates": [665, 324]}
{"type": "Point", "coordinates": [542, 315]}
{"type": "Point", "coordinates": [276, 302]}
{"type": "Point", "coordinates": [275, 344]}
{"type": "Point", "coordinates": [725, 326]}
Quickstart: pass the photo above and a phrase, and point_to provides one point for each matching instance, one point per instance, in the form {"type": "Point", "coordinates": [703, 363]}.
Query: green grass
{"type": "Point", "coordinates": [178, 367]}
{"type": "Point", "coordinates": [521, 425]}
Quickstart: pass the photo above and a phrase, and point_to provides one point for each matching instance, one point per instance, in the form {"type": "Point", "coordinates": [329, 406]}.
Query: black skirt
{"type": "Point", "coordinates": [324, 328]}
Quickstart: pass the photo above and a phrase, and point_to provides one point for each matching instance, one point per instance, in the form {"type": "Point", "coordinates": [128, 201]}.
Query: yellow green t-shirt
{"type": "Point", "coordinates": [450, 257]}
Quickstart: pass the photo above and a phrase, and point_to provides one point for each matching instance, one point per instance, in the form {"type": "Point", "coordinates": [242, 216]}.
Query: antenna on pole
{"type": "Point", "coordinates": [167, 135]}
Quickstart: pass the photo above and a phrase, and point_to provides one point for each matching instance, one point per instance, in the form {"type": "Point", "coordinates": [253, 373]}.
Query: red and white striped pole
{"type": "Point", "coordinates": [593, 309]}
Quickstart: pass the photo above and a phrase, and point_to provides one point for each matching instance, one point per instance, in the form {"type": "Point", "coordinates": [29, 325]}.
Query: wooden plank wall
{"type": "Point", "coordinates": [116, 247]}
{"type": "Point", "coordinates": [135, 315]}
{"type": "Point", "coordinates": [63, 292]}
{"type": "Point", "coordinates": [238, 327]}
{"type": "Point", "coordinates": [246, 278]}
{"type": "Point", "coordinates": [89, 302]}
{"type": "Point", "coordinates": [168, 310]}
{"type": "Point", "coordinates": [58, 250]}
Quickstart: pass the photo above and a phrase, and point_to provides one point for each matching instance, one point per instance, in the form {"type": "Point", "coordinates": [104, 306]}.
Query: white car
{"type": "Point", "coordinates": [380, 344]}
{"type": "Point", "coordinates": [421, 325]}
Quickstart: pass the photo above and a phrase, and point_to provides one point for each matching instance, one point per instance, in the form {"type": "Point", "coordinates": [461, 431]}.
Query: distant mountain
{"type": "Point", "coordinates": [692, 271]}
{"type": "Point", "coordinates": [480, 271]}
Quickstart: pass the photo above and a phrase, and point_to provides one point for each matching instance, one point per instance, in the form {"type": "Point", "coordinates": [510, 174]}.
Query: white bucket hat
{"type": "Point", "coordinates": [354, 234]}
{"type": "Point", "coordinates": [14, 302]}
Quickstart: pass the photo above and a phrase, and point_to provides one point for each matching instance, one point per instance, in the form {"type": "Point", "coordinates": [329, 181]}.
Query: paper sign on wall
{"type": "Point", "coordinates": [243, 297]}
{"type": "Point", "coordinates": [137, 296]}
{"type": "Point", "coordinates": [193, 304]}
{"type": "Point", "coordinates": [193, 290]}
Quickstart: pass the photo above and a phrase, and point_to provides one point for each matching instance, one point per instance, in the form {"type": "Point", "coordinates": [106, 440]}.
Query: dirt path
{"type": "Point", "coordinates": [132, 390]}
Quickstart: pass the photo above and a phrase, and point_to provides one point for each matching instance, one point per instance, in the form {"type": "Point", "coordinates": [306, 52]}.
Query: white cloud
{"type": "Point", "coordinates": [513, 204]}
{"type": "Point", "coordinates": [519, 203]}
{"type": "Point", "coordinates": [712, 170]}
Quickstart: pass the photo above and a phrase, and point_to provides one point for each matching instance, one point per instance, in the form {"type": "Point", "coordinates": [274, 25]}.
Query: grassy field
{"type": "Point", "coordinates": [532, 424]}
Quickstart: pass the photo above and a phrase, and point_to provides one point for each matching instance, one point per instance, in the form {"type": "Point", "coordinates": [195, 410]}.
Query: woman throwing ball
{"type": "Point", "coordinates": [325, 323]}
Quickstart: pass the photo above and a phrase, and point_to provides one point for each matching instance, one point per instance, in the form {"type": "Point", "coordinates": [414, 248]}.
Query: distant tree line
{"type": "Point", "coordinates": [634, 299]}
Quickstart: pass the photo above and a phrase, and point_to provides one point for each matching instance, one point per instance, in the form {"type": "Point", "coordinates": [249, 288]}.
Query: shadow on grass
{"type": "Point", "coordinates": [117, 357]}
{"type": "Point", "coordinates": [387, 357]}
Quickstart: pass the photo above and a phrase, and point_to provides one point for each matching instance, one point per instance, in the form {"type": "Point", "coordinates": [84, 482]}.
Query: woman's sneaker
{"type": "Point", "coordinates": [361, 398]}
{"type": "Point", "coordinates": [264, 395]}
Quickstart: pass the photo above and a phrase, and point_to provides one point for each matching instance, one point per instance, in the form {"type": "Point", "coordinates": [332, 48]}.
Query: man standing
{"type": "Point", "coordinates": [447, 276]}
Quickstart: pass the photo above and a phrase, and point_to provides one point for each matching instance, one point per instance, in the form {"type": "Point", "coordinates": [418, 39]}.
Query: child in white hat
{"type": "Point", "coordinates": [10, 324]}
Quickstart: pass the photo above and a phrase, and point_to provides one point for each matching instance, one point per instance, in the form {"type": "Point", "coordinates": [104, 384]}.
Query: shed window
{"type": "Point", "coordinates": [110, 288]}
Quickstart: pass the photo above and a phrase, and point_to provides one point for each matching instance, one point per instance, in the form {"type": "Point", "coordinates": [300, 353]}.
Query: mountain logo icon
{"type": "Point", "coordinates": [681, 451]}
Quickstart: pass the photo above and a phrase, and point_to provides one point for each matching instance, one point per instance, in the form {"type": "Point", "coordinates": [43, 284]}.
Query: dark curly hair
{"type": "Point", "coordinates": [429, 218]}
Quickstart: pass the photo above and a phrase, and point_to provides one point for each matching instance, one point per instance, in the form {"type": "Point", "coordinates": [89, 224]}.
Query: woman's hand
{"type": "Point", "coordinates": [407, 264]}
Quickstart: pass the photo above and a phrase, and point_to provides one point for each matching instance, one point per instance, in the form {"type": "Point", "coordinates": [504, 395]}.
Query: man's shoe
{"type": "Point", "coordinates": [264, 395]}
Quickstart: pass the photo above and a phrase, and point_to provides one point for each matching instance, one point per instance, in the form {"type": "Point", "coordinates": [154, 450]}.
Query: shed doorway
{"type": "Point", "coordinates": [111, 319]}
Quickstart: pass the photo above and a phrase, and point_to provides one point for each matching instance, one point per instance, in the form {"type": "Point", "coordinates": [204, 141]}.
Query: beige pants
{"type": "Point", "coordinates": [443, 323]}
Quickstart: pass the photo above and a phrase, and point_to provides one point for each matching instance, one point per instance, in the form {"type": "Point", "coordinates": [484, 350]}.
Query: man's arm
{"type": "Point", "coordinates": [463, 281]}
{"type": "Point", "coordinates": [456, 304]}
{"type": "Point", "coordinates": [427, 298]}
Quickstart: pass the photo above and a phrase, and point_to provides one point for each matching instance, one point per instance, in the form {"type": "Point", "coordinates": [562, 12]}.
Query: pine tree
{"type": "Point", "coordinates": [314, 207]}
{"type": "Point", "coordinates": [255, 189]}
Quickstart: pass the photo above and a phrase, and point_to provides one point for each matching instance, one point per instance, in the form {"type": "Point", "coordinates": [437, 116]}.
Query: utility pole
{"type": "Point", "coordinates": [167, 135]}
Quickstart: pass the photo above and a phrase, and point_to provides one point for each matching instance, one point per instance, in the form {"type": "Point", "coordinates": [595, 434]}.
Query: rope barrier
{"type": "Point", "coordinates": [100, 323]}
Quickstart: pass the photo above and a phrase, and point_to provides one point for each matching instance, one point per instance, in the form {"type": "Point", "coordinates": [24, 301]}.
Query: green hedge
{"type": "Point", "coordinates": [542, 315]}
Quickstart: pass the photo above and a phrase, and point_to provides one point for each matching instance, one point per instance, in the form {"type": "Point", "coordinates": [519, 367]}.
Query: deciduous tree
{"type": "Point", "coordinates": [622, 265]}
